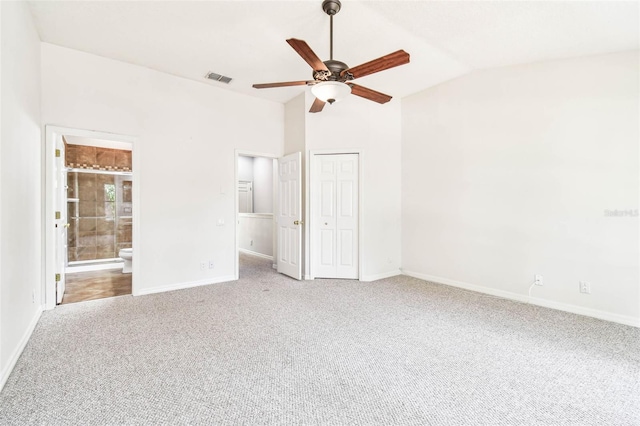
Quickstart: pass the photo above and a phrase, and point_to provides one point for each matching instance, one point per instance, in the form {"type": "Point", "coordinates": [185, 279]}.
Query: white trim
{"type": "Point", "coordinates": [255, 253]}
{"type": "Point", "coordinates": [257, 215]}
{"type": "Point", "coordinates": [185, 285]}
{"type": "Point", "coordinates": [95, 267]}
{"type": "Point", "coordinates": [309, 169]}
{"type": "Point", "coordinates": [48, 237]}
{"type": "Point", "coordinates": [566, 307]}
{"type": "Point", "coordinates": [382, 275]}
{"type": "Point", "coordinates": [15, 355]}
{"type": "Point", "coordinates": [97, 172]}
{"type": "Point", "coordinates": [111, 144]}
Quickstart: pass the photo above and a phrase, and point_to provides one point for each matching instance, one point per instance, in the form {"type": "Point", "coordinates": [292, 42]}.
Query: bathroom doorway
{"type": "Point", "coordinates": [92, 195]}
{"type": "Point", "coordinates": [99, 186]}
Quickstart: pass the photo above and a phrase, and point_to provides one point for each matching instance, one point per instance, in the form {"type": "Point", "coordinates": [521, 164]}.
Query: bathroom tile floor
{"type": "Point", "coordinates": [82, 286]}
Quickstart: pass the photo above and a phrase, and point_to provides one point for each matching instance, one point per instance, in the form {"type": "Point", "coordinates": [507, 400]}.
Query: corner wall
{"type": "Point", "coordinates": [357, 123]}
{"type": "Point", "coordinates": [20, 183]}
{"type": "Point", "coordinates": [512, 172]}
{"type": "Point", "coordinates": [187, 136]}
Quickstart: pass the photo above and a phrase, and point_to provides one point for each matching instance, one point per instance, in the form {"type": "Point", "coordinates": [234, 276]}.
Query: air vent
{"type": "Point", "coordinates": [218, 77]}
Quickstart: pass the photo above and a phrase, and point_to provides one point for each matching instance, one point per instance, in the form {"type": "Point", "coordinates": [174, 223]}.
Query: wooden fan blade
{"type": "Point", "coordinates": [317, 105]}
{"type": "Point", "coordinates": [283, 84]}
{"type": "Point", "coordinates": [370, 94]}
{"type": "Point", "coordinates": [307, 54]}
{"type": "Point", "coordinates": [383, 63]}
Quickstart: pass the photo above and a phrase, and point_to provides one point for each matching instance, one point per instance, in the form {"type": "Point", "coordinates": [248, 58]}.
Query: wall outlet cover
{"type": "Point", "coordinates": [585, 287]}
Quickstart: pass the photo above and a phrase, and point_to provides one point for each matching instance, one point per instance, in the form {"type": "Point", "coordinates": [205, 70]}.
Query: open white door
{"type": "Point", "coordinates": [61, 223]}
{"type": "Point", "coordinates": [289, 215]}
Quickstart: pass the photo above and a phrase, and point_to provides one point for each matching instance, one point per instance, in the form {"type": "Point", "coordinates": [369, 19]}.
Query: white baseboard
{"type": "Point", "coordinates": [182, 286]}
{"type": "Point", "coordinates": [381, 276]}
{"type": "Point", "coordinates": [566, 307]}
{"type": "Point", "coordinates": [87, 268]}
{"type": "Point", "coordinates": [255, 253]}
{"type": "Point", "coordinates": [6, 372]}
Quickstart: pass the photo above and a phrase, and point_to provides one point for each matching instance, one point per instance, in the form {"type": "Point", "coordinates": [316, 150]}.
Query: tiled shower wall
{"type": "Point", "coordinates": [89, 157]}
{"type": "Point", "coordinates": [99, 207]}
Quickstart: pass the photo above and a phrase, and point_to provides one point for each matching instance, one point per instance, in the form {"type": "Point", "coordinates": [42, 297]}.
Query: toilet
{"type": "Point", "coordinates": [127, 255]}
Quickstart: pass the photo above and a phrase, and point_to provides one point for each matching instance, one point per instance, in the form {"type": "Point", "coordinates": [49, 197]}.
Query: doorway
{"type": "Point", "coordinates": [335, 215]}
{"type": "Point", "coordinates": [256, 195]}
{"type": "Point", "coordinates": [286, 224]}
{"type": "Point", "coordinates": [92, 199]}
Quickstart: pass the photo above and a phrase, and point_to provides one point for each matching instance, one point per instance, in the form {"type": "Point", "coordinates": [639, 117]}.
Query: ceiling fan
{"type": "Point", "coordinates": [332, 80]}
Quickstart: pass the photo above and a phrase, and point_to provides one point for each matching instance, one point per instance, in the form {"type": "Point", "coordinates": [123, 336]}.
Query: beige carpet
{"type": "Point", "coordinates": [271, 350]}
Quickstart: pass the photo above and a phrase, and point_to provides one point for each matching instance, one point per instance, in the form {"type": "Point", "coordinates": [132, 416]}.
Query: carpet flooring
{"type": "Point", "coordinates": [270, 350]}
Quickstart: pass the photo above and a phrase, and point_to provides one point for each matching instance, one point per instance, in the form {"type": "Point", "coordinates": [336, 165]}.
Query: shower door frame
{"type": "Point", "coordinates": [52, 134]}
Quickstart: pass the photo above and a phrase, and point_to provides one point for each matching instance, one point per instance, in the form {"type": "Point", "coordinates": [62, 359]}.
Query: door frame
{"type": "Point", "coordinates": [309, 179]}
{"type": "Point", "coordinates": [48, 238]}
{"type": "Point", "coordinates": [245, 153]}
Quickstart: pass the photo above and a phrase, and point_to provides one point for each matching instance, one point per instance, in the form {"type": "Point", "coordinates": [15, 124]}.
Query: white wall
{"type": "Point", "coordinates": [507, 173]}
{"type": "Point", "coordinates": [255, 233]}
{"type": "Point", "coordinates": [20, 183]}
{"type": "Point", "coordinates": [375, 128]}
{"type": "Point", "coordinates": [262, 185]}
{"type": "Point", "coordinates": [258, 170]}
{"type": "Point", "coordinates": [187, 136]}
{"type": "Point", "coordinates": [245, 168]}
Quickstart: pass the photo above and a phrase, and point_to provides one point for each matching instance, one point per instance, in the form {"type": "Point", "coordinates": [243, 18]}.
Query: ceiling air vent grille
{"type": "Point", "coordinates": [218, 77]}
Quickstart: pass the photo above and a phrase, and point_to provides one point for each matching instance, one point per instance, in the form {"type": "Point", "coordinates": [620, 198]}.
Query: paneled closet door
{"type": "Point", "coordinates": [335, 216]}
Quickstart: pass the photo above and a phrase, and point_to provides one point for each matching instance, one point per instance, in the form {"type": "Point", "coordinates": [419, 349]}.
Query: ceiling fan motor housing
{"type": "Point", "coordinates": [331, 7]}
{"type": "Point", "coordinates": [335, 69]}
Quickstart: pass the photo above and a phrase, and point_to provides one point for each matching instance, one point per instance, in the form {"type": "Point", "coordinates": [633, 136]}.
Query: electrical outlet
{"type": "Point", "coordinates": [251, 243]}
{"type": "Point", "coordinates": [585, 287]}
{"type": "Point", "coordinates": [538, 280]}
{"type": "Point", "coordinates": [211, 264]}
{"type": "Point", "coordinates": [203, 265]}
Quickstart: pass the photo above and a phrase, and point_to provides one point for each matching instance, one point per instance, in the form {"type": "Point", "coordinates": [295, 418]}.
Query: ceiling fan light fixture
{"type": "Point", "coordinates": [331, 91]}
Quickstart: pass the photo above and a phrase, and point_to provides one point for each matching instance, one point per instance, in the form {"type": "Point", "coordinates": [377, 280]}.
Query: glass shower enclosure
{"type": "Point", "coordinates": [99, 211]}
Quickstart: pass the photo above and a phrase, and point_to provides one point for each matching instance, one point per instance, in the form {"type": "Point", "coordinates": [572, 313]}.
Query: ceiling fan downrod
{"type": "Point", "coordinates": [331, 38]}
{"type": "Point", "coordinates": [331, 7]}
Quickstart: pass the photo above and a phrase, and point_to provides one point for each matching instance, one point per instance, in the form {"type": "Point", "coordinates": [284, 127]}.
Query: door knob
{"type": "Point", "coordinates": [298, 222]}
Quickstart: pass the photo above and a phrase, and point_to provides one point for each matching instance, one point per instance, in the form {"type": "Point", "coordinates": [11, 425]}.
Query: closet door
{"type": "Point", "coordinates": [335, 216]}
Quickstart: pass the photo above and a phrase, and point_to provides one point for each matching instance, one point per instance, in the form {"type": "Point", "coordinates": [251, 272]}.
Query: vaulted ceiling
{"type": "Point", "coordinates": [246, 39]}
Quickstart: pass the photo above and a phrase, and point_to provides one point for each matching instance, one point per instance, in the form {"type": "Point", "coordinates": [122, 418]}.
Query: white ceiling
{"type": "Point", "coordinates": [246, 39]}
